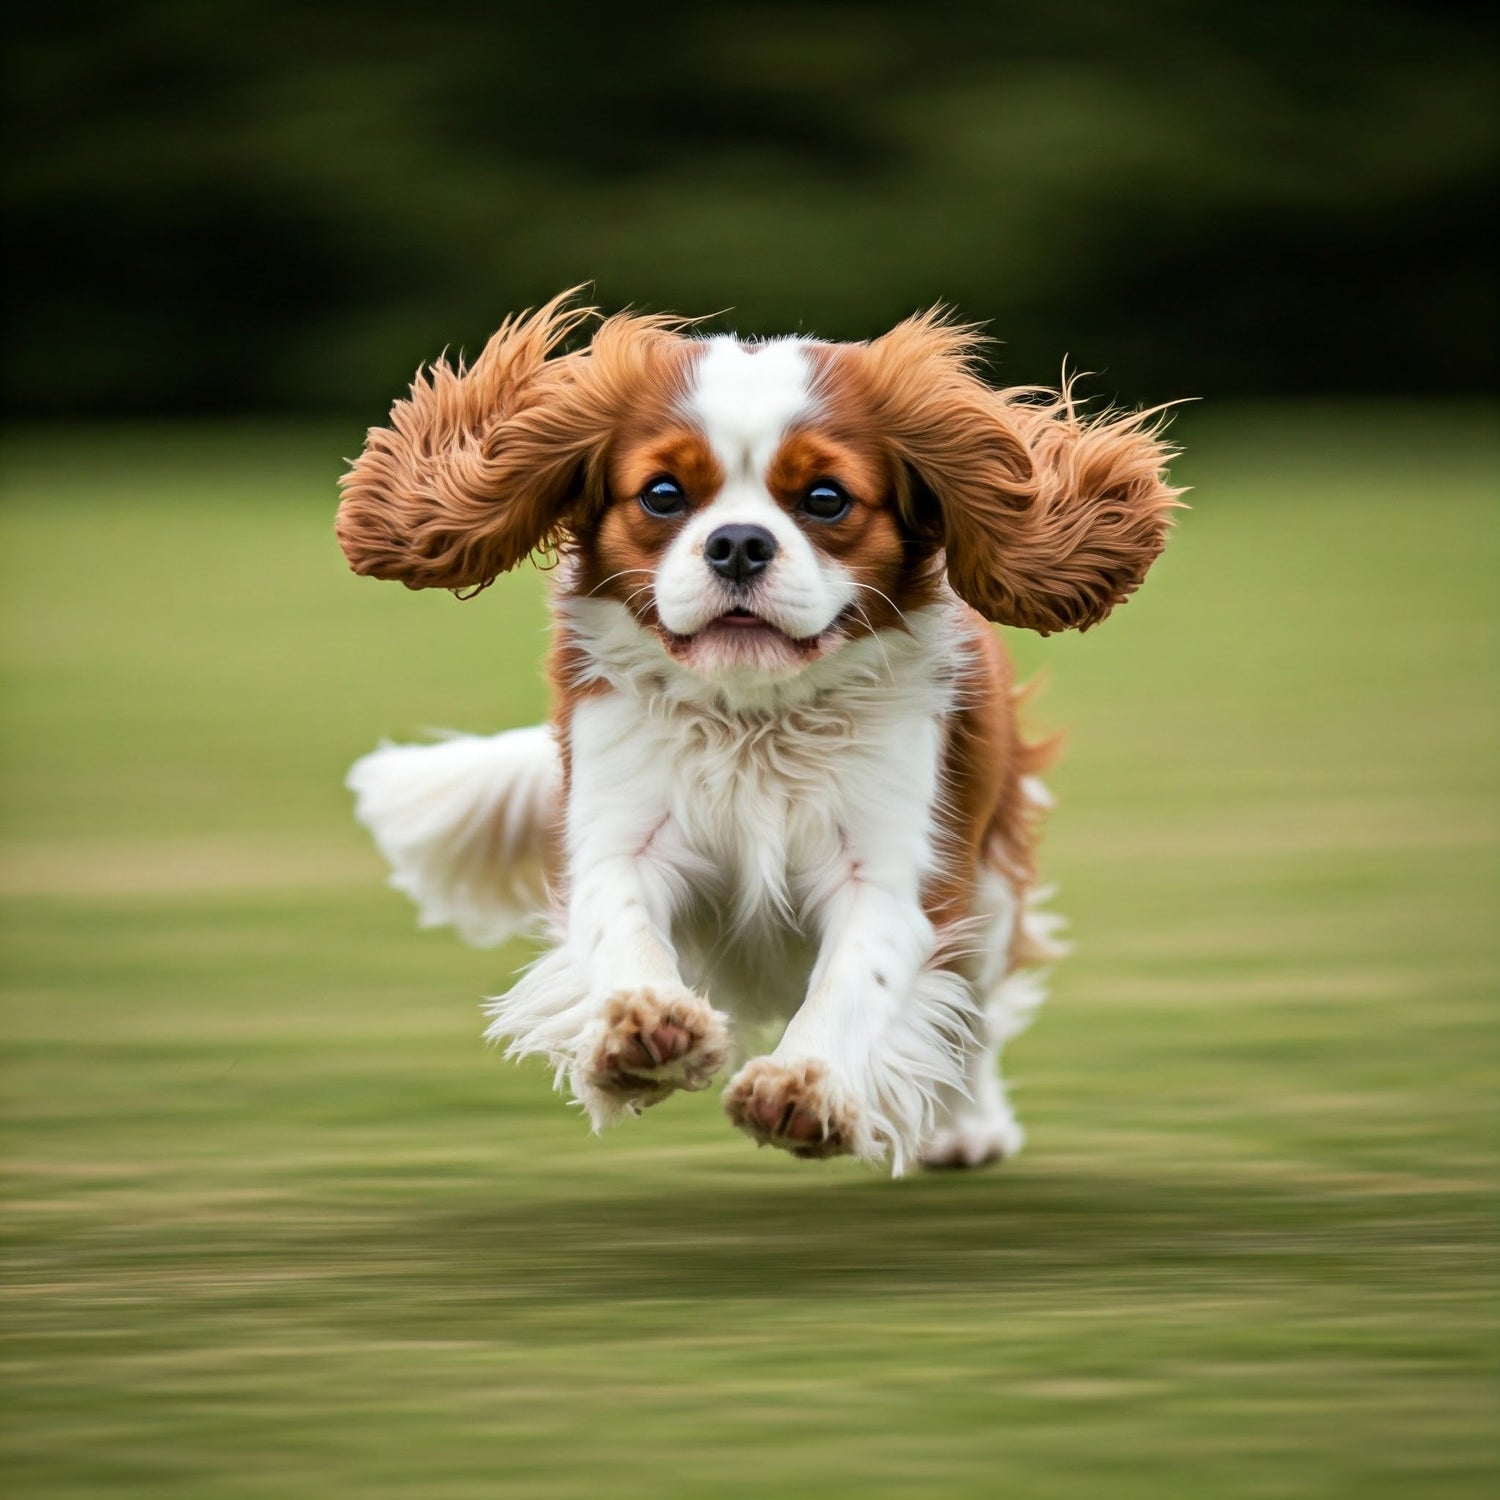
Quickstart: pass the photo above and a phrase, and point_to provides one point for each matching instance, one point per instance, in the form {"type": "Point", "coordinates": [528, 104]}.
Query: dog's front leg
{"type": "Point", "coordinates": [646, 1032]}
{"type": "Point", "coordinates": [608, 1005]}
{"type": "Point", "coordinates": [881, 1029]}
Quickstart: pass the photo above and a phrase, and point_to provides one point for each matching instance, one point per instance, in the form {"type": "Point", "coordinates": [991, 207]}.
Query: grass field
{"type": "Point", "coordinates": [278, 1225]}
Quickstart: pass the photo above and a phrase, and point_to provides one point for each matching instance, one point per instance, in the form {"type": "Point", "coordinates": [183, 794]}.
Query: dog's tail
{"type": "Point", "coordinates": [465, 824]}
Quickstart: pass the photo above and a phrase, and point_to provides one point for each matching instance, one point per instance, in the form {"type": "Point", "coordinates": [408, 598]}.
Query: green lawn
{"type": "Point", "coordinates": [279, 1225]}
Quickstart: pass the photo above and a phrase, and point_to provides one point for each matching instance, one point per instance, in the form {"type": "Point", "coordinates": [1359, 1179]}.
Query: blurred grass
{"type": "Point", "coordinates": [279, 1225]}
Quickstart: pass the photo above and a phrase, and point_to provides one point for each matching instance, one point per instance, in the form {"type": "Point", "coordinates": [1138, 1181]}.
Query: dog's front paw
{"type": "Point", "coordinates": [795, 1106]}
{"type": "Point", "coordinates": [649, 1042]}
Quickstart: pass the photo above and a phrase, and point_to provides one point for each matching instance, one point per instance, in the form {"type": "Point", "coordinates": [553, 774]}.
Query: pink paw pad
{"type": "Point", "coordinates": [654, 1042]}
{"type": "Point", "coordinates": [793, 1107]}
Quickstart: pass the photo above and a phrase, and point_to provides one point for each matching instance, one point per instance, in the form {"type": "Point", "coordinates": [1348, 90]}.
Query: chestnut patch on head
{"type": "Point", "coordinates": [807, 455]}
{"type": "Point", "coordinates": [891, 567]}
{"type": "Point", "coordinates": [618, 559]}
{"type": "Point", "coordinates": [684, 455]}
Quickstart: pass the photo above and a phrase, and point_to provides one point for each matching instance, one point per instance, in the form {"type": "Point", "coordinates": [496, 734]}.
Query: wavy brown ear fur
{"type": "Point", "coordinates": [1101, 517]}
{"type": "Point", "coordinates": [1049, 520]}
{"type": "Point", "coordinates": [481, 466]}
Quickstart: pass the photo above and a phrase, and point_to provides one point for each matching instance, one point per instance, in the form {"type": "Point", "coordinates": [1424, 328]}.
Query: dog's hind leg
{"type": "Point", "coordinates": [976, 1123]}
{"type": "Point", "coordinates": [464, 824]}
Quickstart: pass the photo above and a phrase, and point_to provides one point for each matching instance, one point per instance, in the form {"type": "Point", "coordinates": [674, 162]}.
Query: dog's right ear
{"type": "Point", "coordinates": [463, 485]}
{"type": "Point", "coordinates": [482, 466]}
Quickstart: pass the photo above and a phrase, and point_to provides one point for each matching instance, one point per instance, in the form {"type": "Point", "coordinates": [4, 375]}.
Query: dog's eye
{"type": "Point", "coordinates": [663, 497]}
{"type": "Point", "coordinates": [826, 501]}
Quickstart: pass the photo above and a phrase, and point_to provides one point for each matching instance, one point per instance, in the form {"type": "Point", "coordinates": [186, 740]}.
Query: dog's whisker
{"type": "Point", "coordinates": [870, 587]}
{"type": "Point", "coordinates": [620, 574]}
{"type": "Point", "coordinates": [875, 636]}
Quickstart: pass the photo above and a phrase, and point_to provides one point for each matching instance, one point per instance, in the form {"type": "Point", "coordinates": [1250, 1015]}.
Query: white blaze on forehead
{"type": "Point", "coordinates": [743, 400]}
{"type": "Point", "coordinates": [745, 397]}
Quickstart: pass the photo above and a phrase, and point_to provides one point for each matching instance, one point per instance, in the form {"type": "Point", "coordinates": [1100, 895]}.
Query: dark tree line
{"type": "Point", "coordinates": [218, 207]}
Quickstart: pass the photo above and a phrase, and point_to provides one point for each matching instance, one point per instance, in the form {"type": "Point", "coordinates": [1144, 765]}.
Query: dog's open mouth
{"type": "Point", "coordinates": [747, 624]}
{"type": "Point", "coordinates": [740, 635]}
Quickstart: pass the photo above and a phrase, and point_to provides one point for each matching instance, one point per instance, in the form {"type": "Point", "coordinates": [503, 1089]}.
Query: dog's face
{"type": "Point", "coordinates": [747, 525]}
{"type": "Point", "coordinates": [755, 506]}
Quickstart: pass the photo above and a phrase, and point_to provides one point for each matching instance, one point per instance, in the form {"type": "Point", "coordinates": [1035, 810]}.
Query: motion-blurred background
{"type": "Point", "coordinates": [278, 1225]}
{"type": "Point", "coordinates": [281, 207]}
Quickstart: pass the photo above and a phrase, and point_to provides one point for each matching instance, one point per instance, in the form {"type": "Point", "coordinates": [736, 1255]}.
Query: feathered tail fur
{"type": "Point", "coordinates": [464, 824]}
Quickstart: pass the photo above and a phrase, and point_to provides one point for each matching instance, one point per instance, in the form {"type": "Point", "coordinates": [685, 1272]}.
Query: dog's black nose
{"type": "Point", "coordinates": [739, 553]}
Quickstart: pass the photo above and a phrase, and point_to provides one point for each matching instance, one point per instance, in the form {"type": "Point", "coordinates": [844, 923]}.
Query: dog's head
{"type": "Point", "coordinates": [754, 506]}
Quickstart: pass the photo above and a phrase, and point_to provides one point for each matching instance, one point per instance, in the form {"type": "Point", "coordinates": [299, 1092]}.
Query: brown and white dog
{"type": "Point", "coordinates": [783, 768]}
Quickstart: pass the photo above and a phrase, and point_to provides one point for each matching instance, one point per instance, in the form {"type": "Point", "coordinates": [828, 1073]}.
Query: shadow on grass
{"type": "Point", "coordinates": [477, 1257]}
{"type": "Point", "coordinates": [562, 1261]}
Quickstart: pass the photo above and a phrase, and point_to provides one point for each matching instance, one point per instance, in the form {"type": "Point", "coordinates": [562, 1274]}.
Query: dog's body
{"type": "Point", "coordinates": [784, 767]}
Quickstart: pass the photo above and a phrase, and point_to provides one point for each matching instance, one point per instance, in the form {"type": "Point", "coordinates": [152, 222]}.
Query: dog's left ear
{"type": "Point", "coordinates": [1048, 519]}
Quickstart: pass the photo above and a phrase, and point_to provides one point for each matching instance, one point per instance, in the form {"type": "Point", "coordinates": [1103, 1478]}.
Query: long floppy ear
{"type": "Point", "coordinates": [456, 489]}
{"type": "Point", "coordinates": [1102, 513]}
{"type": "Point", "coordinates": [481, 466]}
{"type": "Point", "coordinates": [1048, 520]}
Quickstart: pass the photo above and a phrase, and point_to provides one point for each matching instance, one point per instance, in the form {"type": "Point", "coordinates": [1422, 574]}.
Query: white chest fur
{"type": "Point", "coordinates": [766, 798]}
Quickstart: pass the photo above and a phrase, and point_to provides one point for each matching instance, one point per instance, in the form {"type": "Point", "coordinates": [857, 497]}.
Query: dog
{"type": "Point", "coordinates": [783, 783]}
